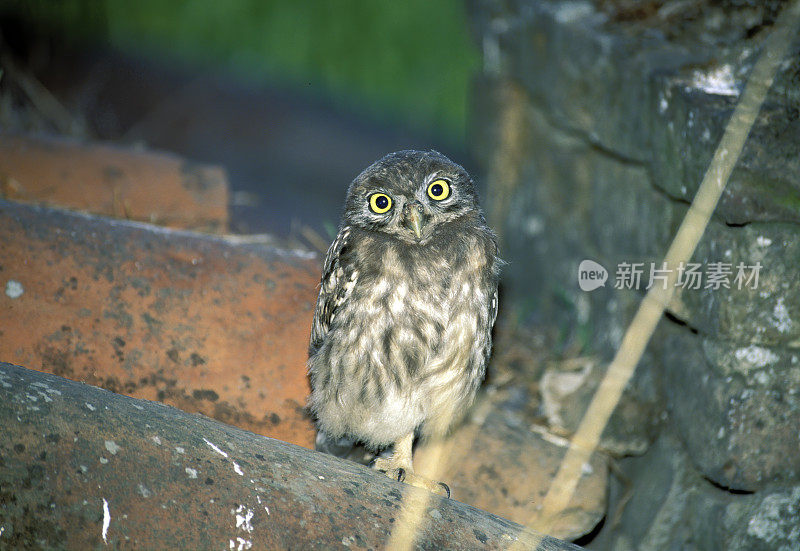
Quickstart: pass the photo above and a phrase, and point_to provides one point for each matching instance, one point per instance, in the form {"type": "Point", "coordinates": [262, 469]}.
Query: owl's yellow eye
{"type": "Point", "coordinates": [380, 203]}
{"type": "Point", "coordinates": [439, 190]}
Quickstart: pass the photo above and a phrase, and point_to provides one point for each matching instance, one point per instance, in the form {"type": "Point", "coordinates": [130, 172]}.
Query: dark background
{"type": "Point", "coordinates": [292, 98]}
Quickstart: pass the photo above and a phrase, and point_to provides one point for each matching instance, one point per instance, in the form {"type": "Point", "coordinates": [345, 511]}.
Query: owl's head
{"type": "Point", "coordinates": [409, 195]}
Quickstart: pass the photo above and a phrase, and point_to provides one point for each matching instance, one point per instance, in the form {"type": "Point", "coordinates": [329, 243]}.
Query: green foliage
{"type": "Point", "coordinates": [411, 60]}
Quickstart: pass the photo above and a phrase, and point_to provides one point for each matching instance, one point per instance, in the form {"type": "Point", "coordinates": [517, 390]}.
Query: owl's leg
{"type": "Point", "coordinates": [399, 467]}
{"type": "Point", "coordinates": [400, 463]}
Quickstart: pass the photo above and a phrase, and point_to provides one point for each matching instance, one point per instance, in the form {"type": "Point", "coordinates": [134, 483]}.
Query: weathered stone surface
{"type": "Point", "coordinates": [630, 220]}
{"type": "Point", "coordinates": [767, 313]}
{"type": "Point", "coordinates": [574, 203]}
{"type": "Point", "coordinates": [568, 387]}
{"type": "Point", "coordinates": [559, 215]}
{"type": "Point", "coordinates": [160, 188]}
{"type": "Point", "coordinates": [84, 468]}
{"type": "Point", "coordinates": [567, 55]}
{"type": "Point", "coordinates": [195, 321]}
{"type": "Point", "coordinates": [552, 198]}
{"type": "Point", "coordinates": [500, 463]}
{"type": "Point", "coordinates": [692, 111]}
{"type": "Point", "coordinates": [660, 484]}
{"type": "Point", "coordinates": [548, 235]}
{"type": "Point", "coordinates": [767, 520]}
{"type": "Point", "coordinates": [748, 401]}
{"type": "Point", "coordinates": [672, 507]}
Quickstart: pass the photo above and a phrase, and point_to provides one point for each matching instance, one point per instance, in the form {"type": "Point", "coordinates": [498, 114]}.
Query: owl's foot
{"type": "Point", "coordinates": [405, 474]}
{"type": "Point", "coordinates": [398, 467]}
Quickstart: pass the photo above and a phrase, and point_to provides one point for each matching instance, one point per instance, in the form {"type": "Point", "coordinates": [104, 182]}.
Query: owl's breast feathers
{"type": "Point", "coordinates": [403, 324]}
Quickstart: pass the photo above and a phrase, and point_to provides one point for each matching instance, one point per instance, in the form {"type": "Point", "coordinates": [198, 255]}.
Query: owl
{"type": "Point", "coordinates": [408, 298]}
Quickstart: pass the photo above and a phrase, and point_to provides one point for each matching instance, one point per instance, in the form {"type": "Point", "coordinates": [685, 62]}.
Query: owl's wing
{"type": "Point", "coordinates": [493, 309]}
{"type": "Point", "coordinates": [337, 282]}
{"type": "Point", "coordinates": [487, 350]}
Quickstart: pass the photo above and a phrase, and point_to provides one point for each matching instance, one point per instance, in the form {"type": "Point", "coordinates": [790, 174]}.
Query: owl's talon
{"type": "Point", "coordinates": [446, 488]}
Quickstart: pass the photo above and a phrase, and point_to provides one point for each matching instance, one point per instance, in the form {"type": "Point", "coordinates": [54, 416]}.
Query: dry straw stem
{"type": "Point", "coordinates": [416, 500]}
{"type": "Point", "coordinates": [594, 421]}
{"type": "Point", "coordinates": [415, 506]}
{"type": "Point", "coordinates": [439, 456]}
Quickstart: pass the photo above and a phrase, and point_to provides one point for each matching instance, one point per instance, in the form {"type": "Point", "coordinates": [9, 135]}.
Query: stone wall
{"type": "Point", "coordinates": [594, 123]}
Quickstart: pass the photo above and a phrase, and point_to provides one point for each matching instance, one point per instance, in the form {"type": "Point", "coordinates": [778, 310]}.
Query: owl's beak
{"type": "Point", "coordinates": [414, 218]}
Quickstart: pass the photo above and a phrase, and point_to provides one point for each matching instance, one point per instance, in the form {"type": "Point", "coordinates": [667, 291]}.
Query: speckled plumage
{"type": "Point", "coordinates": [402, 328]}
